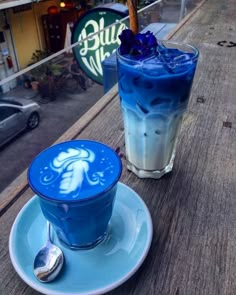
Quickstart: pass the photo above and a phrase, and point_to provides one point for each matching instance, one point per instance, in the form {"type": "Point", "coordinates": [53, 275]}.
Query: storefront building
{"type": "Point", "coordinates": [27, 27]}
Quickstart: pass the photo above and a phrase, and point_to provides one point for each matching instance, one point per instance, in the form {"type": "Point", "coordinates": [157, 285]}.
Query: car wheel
{"type": "Point", "coordinates": [33, 121]}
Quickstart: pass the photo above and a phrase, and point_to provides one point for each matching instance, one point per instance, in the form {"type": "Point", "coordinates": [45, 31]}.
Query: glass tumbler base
{"type": "Point", "coordinates": [86, 246]}
{"type": "Point", "coordinates": [155, 174]}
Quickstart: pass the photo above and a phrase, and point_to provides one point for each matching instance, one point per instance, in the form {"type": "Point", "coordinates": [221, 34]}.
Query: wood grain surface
{"type": "Point", "coordinates": [193, 208]}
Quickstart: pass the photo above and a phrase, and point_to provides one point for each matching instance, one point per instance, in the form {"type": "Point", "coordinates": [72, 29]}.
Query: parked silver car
{"type": "Point", "coordinates": [17, 115]}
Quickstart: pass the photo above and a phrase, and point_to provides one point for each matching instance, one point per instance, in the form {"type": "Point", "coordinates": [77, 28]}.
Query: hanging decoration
{"type": "Point", "coordinates": [53, 10]}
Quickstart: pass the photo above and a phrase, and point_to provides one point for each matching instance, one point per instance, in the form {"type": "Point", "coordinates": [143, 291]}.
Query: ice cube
{"type": "Point", "coordinates": [159, 100]}
{"type": "Point", "coordinates": [142, 108]}
{"type": "Point", "coordinates": [155, 70]}
{"type": "Point", "coordinates": [124, 84]}
{"type": "Point", "coordinates": [186, 57]}
{"type": "Point", "coordinates": [142, 83]}
{"type": "Point", "coordinates": [174, 60]}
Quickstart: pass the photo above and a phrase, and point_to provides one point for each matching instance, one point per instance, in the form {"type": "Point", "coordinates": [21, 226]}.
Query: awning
{"type": "Point", "coordinates": [4, 4]}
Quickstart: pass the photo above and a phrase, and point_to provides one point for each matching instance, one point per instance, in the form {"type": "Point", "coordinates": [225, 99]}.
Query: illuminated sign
{"type": "Point", "coordinates": [94, 50]}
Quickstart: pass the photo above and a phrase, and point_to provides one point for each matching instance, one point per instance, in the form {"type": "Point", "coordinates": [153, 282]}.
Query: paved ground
{"type": "Point", "coordinates": [57, 116]}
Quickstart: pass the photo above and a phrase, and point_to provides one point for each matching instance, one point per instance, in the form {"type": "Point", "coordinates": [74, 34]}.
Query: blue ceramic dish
{"type": "Point", "coordinates": [89, 272]}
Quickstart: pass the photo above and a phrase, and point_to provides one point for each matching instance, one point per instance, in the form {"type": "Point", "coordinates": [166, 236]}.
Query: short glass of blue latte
{"type": "Point", "coordinates": [76, 184]}
{"type": "Point", "coordinates": [154, 94]}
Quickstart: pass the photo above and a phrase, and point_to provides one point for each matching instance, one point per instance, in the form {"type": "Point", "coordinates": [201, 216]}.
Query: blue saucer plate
{"type": "Point", "coordinates": [94, 271]}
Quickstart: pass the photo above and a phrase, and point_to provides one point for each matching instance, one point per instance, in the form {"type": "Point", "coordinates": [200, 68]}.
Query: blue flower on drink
{"type": "Point", "coordinates": [139, 46]}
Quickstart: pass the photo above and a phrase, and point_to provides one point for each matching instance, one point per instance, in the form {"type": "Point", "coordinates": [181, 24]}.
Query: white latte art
{"type": "Point", "coordinates": [72, 167]}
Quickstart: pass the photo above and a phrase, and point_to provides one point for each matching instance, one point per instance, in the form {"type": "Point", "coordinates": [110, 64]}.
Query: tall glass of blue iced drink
{"type": "Point", "coordinates": [154, 80]}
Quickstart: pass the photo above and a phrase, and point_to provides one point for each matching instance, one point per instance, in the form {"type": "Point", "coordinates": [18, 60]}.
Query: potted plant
{"type": "Point", "coordinates": [43, 77]}
{"type": "Point", "coordinates": [50, 81]}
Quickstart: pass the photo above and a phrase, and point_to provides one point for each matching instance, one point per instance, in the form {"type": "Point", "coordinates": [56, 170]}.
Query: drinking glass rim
{"type": "Point", "coordinates": [136, 61]}
{"type": "Point", "coordinates": [52, 199]}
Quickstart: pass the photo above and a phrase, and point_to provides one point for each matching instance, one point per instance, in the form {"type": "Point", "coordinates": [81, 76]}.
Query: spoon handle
{"type": "Point", "coordinates": [49, 232]}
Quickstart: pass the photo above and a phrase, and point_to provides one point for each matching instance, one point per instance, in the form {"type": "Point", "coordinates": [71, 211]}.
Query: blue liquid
{"type": "Point", "coordinates": [154, 94]}
{"type": "Point", "coordinates": [76, 183]}
{"type": "Point", "coordinates": [80, 225]}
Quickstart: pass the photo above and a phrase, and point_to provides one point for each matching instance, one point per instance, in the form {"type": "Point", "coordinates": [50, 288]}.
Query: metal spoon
{"type": "Point", "coordinates": [49, 260]}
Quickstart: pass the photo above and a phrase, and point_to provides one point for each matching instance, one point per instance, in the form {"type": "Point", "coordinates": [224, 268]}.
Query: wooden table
{"type": "Point", "coordinates": [193, 208]}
